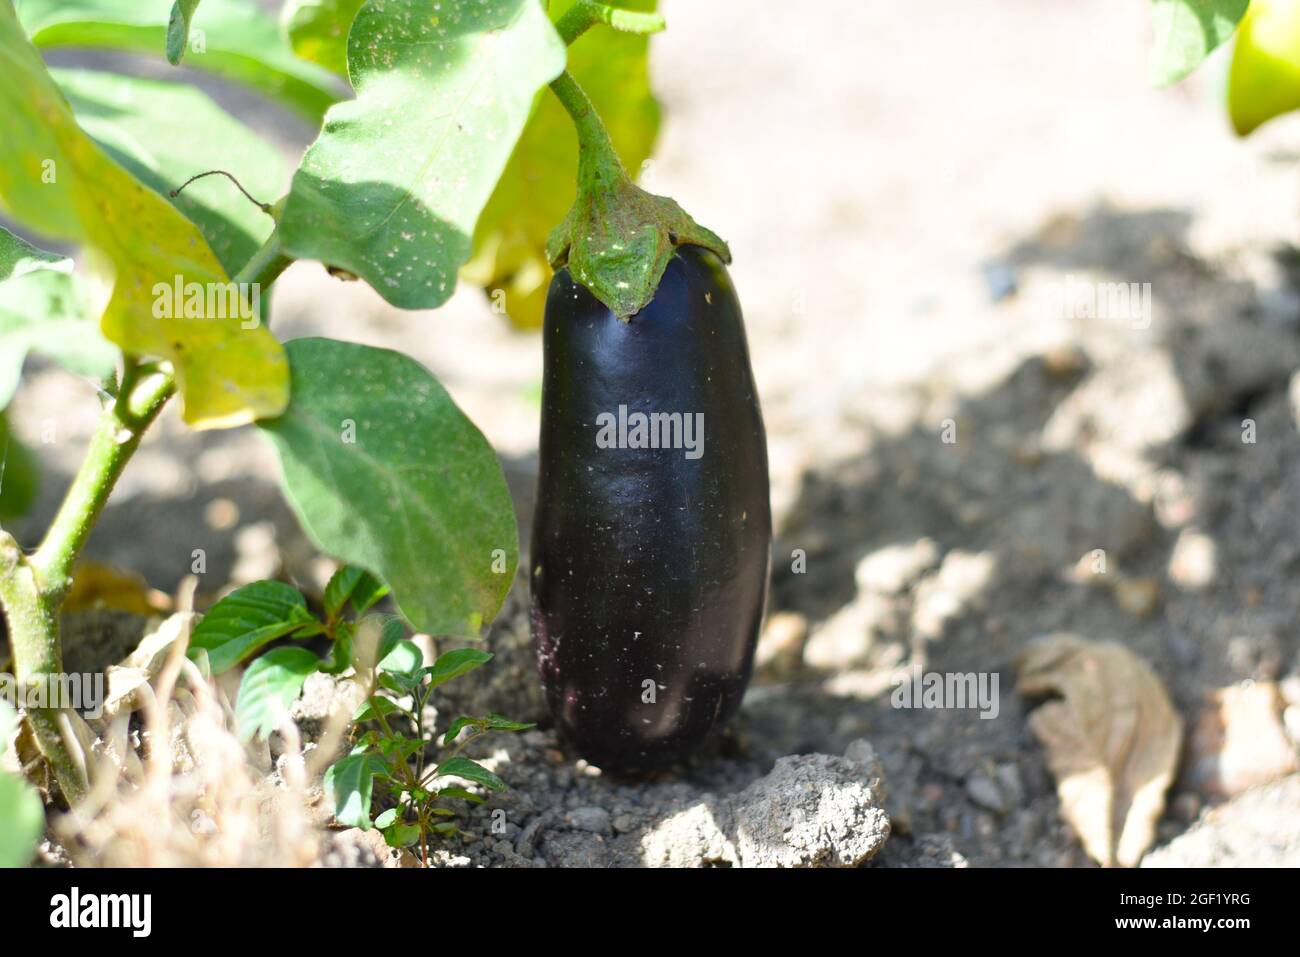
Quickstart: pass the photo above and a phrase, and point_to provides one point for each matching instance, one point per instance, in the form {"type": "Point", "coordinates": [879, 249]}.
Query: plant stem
{"type": "Point", "coordinates": [597, 158]}
{"type": "Point", "coordinates": [585, 14]}
{"type": "Point", "coordinates": [116, 438]}
{"type": "Point", "coordinates": [32, 589]}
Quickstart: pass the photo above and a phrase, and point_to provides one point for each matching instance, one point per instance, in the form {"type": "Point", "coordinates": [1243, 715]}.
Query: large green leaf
{"type": "Point", "coordinates": [250, 616]}
{"type": "Point", "coordinates": [58, 181]}
{"type": "Point", "coordinates": [240, 42]}
{"type": "Point", "coordinates": [392, 188]}
{"type": "Point", "coordinates": [135, 121]}
{"type": "Point", "coordinates": [318, 30]}
{"type": "Point", "coordinates": [385, 472]}
{"type": "Point", "coordinates": [43, 309]}
{"type": "Point", "coordinates": [538, 185]}
{"type": "Point", "coordinates": [1187, 31]}
{"type": "Point", "coordinates": [269, 686]}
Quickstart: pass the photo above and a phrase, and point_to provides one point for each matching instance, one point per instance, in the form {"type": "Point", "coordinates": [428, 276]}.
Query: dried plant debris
{"type": "Point", "coordinates": [1112, 740]}
{"type": "Point", "coordinates": [172, 785]}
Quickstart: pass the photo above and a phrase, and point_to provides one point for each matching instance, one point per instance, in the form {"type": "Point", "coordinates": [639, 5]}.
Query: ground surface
{"type": "Point", "coordinates": [904, 193]}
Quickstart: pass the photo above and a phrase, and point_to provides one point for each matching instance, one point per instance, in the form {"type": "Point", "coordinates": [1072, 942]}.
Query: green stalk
{"type": "Point", "coordinates": [617, 239]}
{"type": "Point", "coordinates": [32, 588]}
{"type": "Point", "coordinates": [585, 14]}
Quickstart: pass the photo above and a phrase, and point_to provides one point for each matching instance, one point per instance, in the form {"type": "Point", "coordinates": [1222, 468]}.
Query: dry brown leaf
{"type": "Point", "coordinates": [1111, 736]}
{"type": "Point", "coordinates": [95, 585]}
{"type": "Point", "coordinates": [144, 664]}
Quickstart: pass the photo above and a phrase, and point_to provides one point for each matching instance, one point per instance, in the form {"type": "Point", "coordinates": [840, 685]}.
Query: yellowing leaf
{"type": "Point", "coordinates": [95, 585]}
{"type": "Point", "coordinates": [58, 181]}
{"type": "Point", "coordinates": [1111, 737]}
{"type": "Point", "coordinates": [538, 185]}
{"type": "Point", "coordinates": [1264, 80]}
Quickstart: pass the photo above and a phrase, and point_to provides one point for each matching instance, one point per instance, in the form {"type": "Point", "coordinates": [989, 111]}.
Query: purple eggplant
{"type": "Point", "coordinates": [652, 533]}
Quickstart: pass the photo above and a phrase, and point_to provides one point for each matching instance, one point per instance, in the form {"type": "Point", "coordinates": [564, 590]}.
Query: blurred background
{"type": "Point", "coordinates": [906, 191]}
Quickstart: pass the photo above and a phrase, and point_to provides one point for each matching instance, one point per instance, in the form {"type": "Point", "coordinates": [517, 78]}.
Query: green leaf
{"type": "Point", "coordinates": [135, 121]}
{"type": "Point", "coordinates": [402, 835]}
{"type": "Point", "coordinates": [1264, 80]}
{"type": "Point", "coordinates": [350, 783]}
{"type": "Point", "coordinates": [178, 29]}
{"type": "Point", "coordinates": [392, 188]}
{"type": "Point", "coordinates": [43, 309]}
{"type": "Point", "coordinates": [318, 31]}
{"type": "Point", "coordinates": [493, 722]}
{"type": "Point", "coordinates": [240, 41]}
{"type": "Point", "coordinates": [390, 635]}
{"type": "Point", "coordinates": [384, 471]}
{"type": "Point", "coordinates": [55, 179]}
{"type": "Point", "coordinates": [537, 187]}
{"type": "Point", "coordinates": [374, 707]}
{"type": "Point", "coordinates": [386, 818]}
{"type": "Point", "coordinates": [462, 794]}
{"type": "Point", "coordinates": [19, 482]}
{"type": "Point", "coordinates": [453, 664]}
{"type": "Point", "coordinates": [269, 686]}
{"type": "Point", "coordinates": [22, 821]}
{"type": "Point", "coordinates": [1187, 31]}
{"type": "Point", "coordinates": [354, 584]}
{"type": "Point", "coordinates": [250, 616]}
{"type": "Point", "coordinates": [405, 658]}
{"type": "Point", "coordinates": [471, 771]}
{"type": "Point", "coordinates": [342, 651]}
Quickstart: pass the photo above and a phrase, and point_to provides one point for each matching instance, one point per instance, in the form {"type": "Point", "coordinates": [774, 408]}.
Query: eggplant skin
{"type": "Point", "coordinates": [649, 566]}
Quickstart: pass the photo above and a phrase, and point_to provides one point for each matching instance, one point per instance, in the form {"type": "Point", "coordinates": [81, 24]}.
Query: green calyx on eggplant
{"type": "Point", "coordinates": [617, 239]}
{"type": "Point", "coordinates": [652, 533]}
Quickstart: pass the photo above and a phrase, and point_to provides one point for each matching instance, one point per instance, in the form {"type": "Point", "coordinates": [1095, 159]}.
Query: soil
{"type": "Point", "coordinates": [905, 197]}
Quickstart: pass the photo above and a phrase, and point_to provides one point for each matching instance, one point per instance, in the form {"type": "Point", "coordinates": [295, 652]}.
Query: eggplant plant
{"type": "Point", "coordinates": [446, 150]}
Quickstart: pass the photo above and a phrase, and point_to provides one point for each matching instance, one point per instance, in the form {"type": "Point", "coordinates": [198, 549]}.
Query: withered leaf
{"type": "Point", "coordinates": [1112, 740]}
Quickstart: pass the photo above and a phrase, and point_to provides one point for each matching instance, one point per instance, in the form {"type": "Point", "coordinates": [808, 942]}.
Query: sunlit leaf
{"type": "Point", "coordinates": [55, 179]}
{"type": "Point", "coordinates": [385, 472]}
{"type": "Point", "coordinates": [43, 309]}
{"type": "Point", "coordinates": [240, 41]}
{"type": "Point", "coordinates": [318, 31]}
{"type": "Point", "coordinates": [538, 185]}
{"type": "Point", "coordinates": [270, 684]}
{"type": "Point", "coordinates": [1187, 31]}
{"type": "Point", "coordinates": [392, 188]}
{"type": "Point", "coordinates": [135, 121]}
{"type": "Point", "coordinates": [238, 625]}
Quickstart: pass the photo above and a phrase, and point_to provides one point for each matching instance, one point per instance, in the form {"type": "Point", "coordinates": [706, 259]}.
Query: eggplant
{"type": "Point", "coordinates": [652, 533]}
